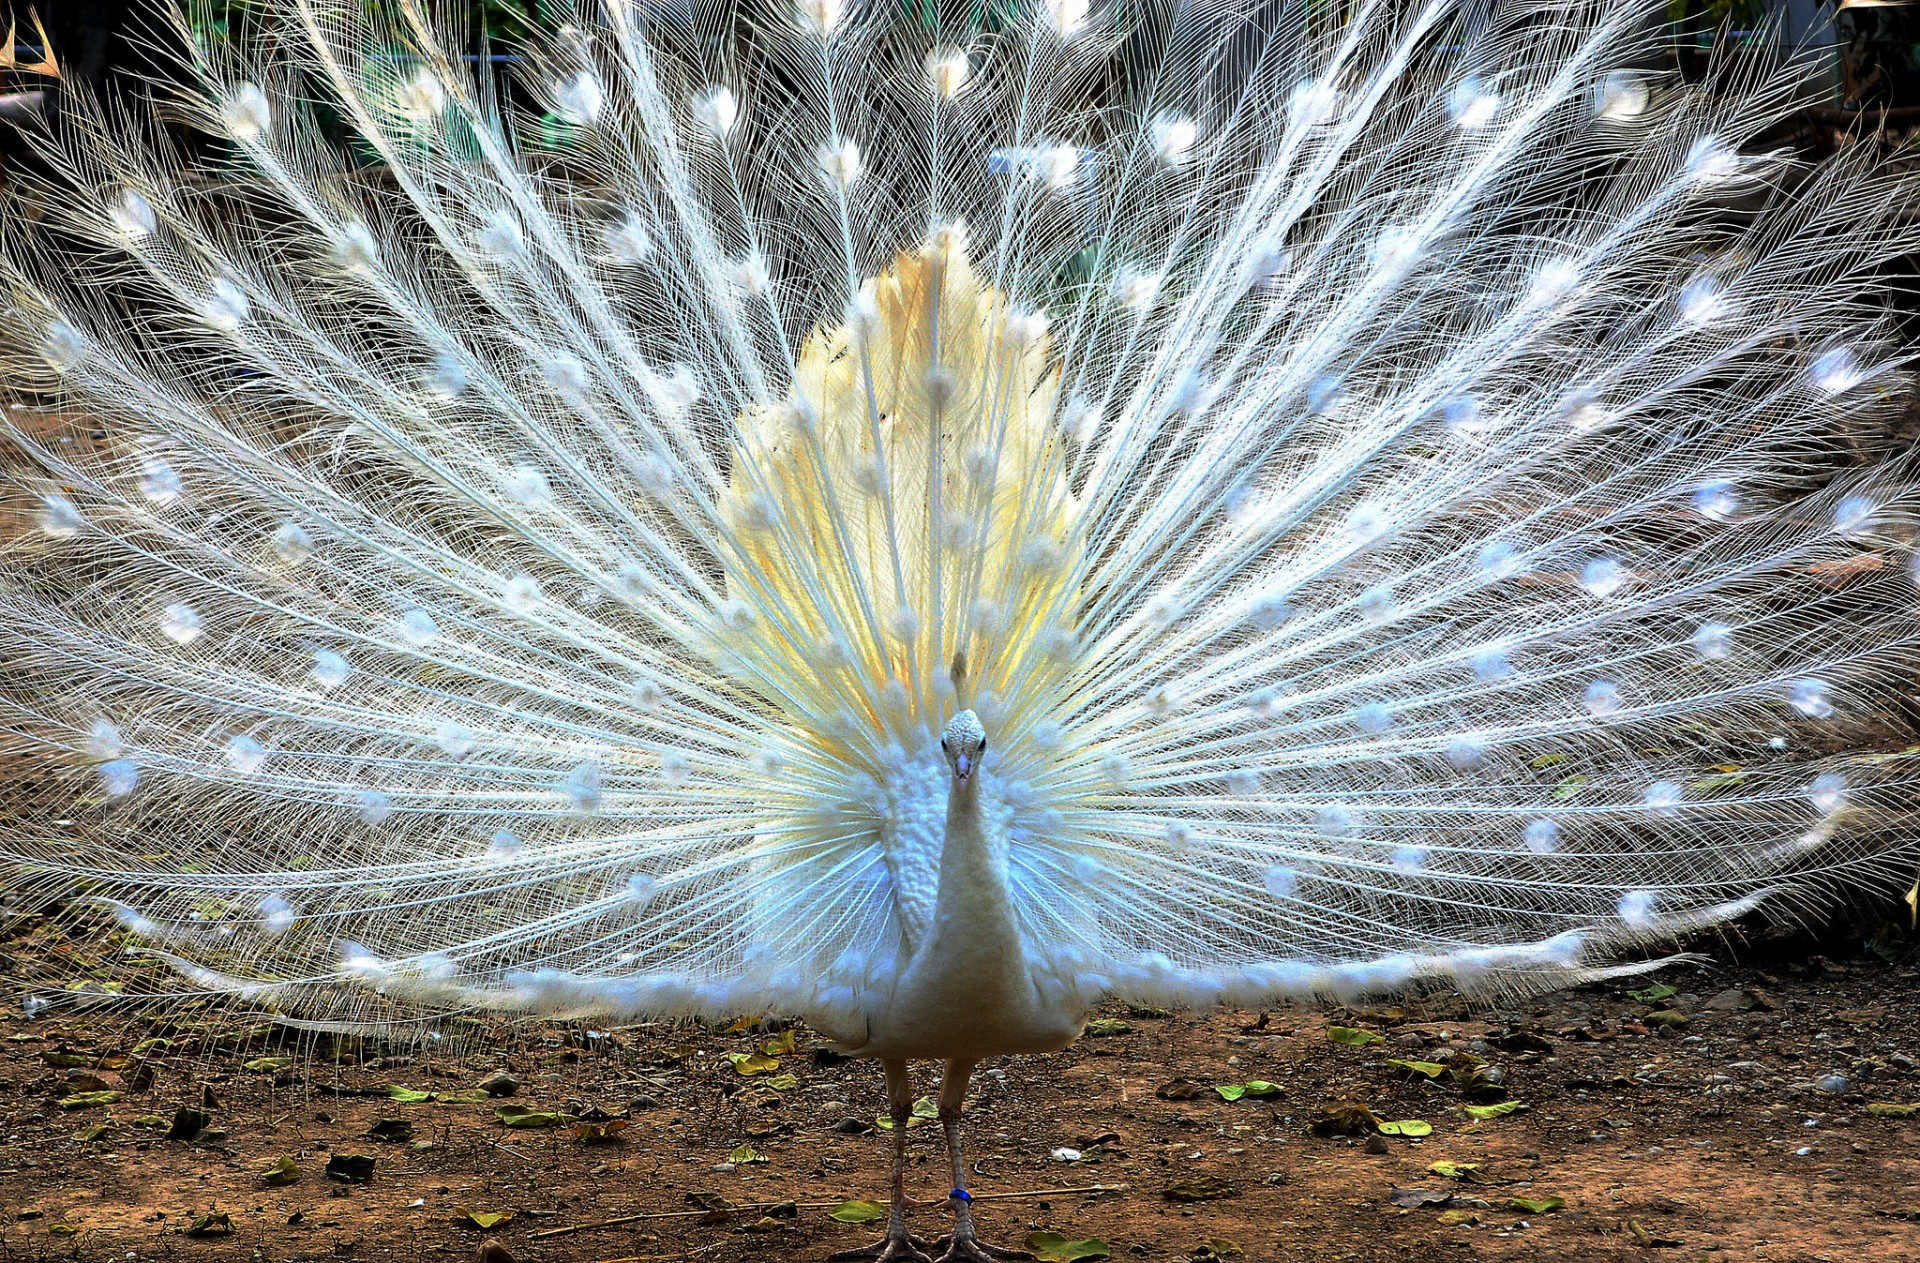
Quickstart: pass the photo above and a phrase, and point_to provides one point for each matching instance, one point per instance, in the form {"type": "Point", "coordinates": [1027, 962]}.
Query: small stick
{"type": "Point", "coordinates": [656, 1258]}
{"type": "Point", "coordinates": [746, 1206]}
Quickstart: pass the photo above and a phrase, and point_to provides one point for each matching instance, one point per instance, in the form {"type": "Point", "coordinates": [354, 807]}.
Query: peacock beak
{"type": "Point", "coordinates": [963, 766]}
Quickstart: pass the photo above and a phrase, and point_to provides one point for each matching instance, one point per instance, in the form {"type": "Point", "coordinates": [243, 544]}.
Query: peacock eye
{"type": "Point", "coordinates": [983, 745]}
{"type": "Point", "coordinates": [944, 745]}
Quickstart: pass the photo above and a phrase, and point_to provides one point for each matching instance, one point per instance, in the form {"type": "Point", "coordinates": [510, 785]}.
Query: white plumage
{"type": "Point", "coordinates": [1406, 491]}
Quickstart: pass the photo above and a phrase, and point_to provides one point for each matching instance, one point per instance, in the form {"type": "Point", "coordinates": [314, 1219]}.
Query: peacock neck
{"type": "Point", "coordinates": [973, 877]}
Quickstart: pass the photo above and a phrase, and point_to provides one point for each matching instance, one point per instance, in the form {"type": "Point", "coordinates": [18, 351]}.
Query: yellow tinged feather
{"type": "Point", "coordinates": [906, 501]}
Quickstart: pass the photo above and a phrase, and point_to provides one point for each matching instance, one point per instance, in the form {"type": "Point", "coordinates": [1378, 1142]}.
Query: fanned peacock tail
{"type": "Point", "coordinates": [1407, 486]}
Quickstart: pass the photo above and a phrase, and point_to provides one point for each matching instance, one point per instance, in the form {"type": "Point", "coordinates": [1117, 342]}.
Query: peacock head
{"type": "Point", "coordinates": [964, 742]}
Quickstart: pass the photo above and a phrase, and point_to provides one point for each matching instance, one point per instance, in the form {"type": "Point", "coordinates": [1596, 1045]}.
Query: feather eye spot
{"type": "Point", "coordinates": [246, 113]}
{"type": "Point", "coordinates": [181, 623]}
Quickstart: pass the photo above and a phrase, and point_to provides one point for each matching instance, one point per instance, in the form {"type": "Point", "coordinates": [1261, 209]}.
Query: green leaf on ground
{"type": "Point", "coordinates": [1051, 1247]}
{"type": "Point", "coordinates": [1457, 1170]}
{"type": "Point", "coordinates": [521, 1116]}
{"type": "Point", "coordinates": [780, 1045]}
{"type": "Point", "coordinates": [406, 1095]}
{"type": "Point", "coordinates": [1536, 1205]}
{"type": "Point", "coordinates": [467, 1096]}
{"type": "Point", "coordinates": [1887, 1109]}
{"type": "Point", "coordinates": [1666, 1017]}
{"type": "Point", "coordinates": [1407, 1127]}
{"type": "Point", "coordinates": [267, 1065]}
{"type": "Point", "coordinates": [783, 1082]}
{"type": "Point", "coordinates": [215, 1223]}
{"type": "Point", "coordinates": [924, 1110]}
{"type": "Point", "coordinates": [1108, 1026]}
{"type": "Point", "coordinates": [1354, 1037]}
{"type": "Point", "coordinates": [1251, 1088]}
{"type": "Point", "coordinates": [1425, 1069]}
{"type": "Point", "coordinates": [1484, 1112]}
{"type": "Point", "coordinates": [88, 1100]}
{"type": "Point", "coordinates": [753, 1063]}
{"type": "Point", "coordinates": [1569, 788]}
{"type": "Point", "coordinates": [745, 1154]}
{"type": "Point", "coordinates": [283, 1171]}
{"type": "Point", "coordinates": [857, 1212]}
{"type": "Point", "coordinates": [484, 1220]}
{"type": "Point", "coordinates": [1653, 995]}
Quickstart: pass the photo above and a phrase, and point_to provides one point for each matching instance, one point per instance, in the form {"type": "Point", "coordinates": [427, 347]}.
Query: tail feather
{"type": "Point", "coordinates": [1412, 490]}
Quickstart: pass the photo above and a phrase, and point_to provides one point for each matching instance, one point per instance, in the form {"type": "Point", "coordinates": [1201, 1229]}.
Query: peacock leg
{"type": "Point", "coordinates": [898, 1246]}
{"type": "Point", "coordinates": [963, 1246]}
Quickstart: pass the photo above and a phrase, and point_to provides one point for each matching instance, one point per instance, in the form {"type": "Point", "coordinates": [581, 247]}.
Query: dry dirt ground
{"type": "Point", "coordinates": [1743, 1115]}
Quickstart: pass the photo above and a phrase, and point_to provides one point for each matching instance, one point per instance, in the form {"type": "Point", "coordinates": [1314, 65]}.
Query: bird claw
{"type": "Point", "coordinates": [970, 1249]}
{"type": "Point", "coordinates": [904, 1248]}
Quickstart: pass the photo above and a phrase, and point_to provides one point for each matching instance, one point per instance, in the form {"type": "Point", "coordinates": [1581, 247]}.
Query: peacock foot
{"type": "Point", "coordinates": [964, 1247]}
{"type": "Point", "coordinates": [900, 1247]}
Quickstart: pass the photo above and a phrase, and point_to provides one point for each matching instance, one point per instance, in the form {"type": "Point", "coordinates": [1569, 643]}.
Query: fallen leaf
{"type": "Point", "coordinates": [467, 1096]}
{"type": "Point", "coordinates": [1459, 1216]}
{"type": "Point", "coordinates": [1886, 1109]}
{"type": "Point", "coordinates": [63, 1058]}
{"type": "Point", "coordinates": [745, 1154]}
{"type": "Point", "coordinates": [406, 1095]}
{"type": "Point", "coordinates": [283, 1171]}
{"type": "Point", "coordinates": [600, 1133]}
{"type": "Point", "coordinates": [753, 1063]}
{"type": "Point", "coordinates": [484, 1220]}
{"type": "Point", "coordinates": [783, 1082]}
{"type": "Point", "coordinates": [1469, 1171]}
{"type": "Point", "coordinates": [1213, 1249]}
{"type": "Point", "coordinates": [87, 1100]}
{"type": "Point", "coordinates": [350, 1168]}
{"type": "Point", "coordinates": [1108, 1026]}
{"type": "Point", "coordinates": [267, 1065]}
{"type": "Point", "coordinates": [1536, 1205]}
{"type": "Point", "coordinates": [923, 1110]}
{"type": "Point", "coordinates": [857, 1212]}
{"type": "Point", "coordinates": [1653, 995]}
{"type": "Point", "coordinates": [1484, 1112]}
{"type": "Point", "coordinates": [1344, 1118]}
{"type": "Point", "coordinates": [188, 1122]}
{"type": "Point", "coordinates": [1181, 1090]}
{"type": "Point", "coordinates": [780, 1045]}
{"type": "Point", "coordinates": [215, 1223]}
{"type": "Point", "coordinates": [1354, 1037]}
{"type": "Point", "coordinates": [1051, 1247]}
{"type": "Point", "coordinates": [1419, 1198]}
{"type": "Point", "coordinates": [390, 1130]}
{"type": "Point", "coordinates": [1666, 1017]}
{"type": "Point", "coordinates": [521, 1116]}
{"type": "Point", "coordinates": [1407, 1127]}
{"type": "Point", "coordinates": [1201, 1188]}
{"type": "Point", "coordinates": [1423, 1069]}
